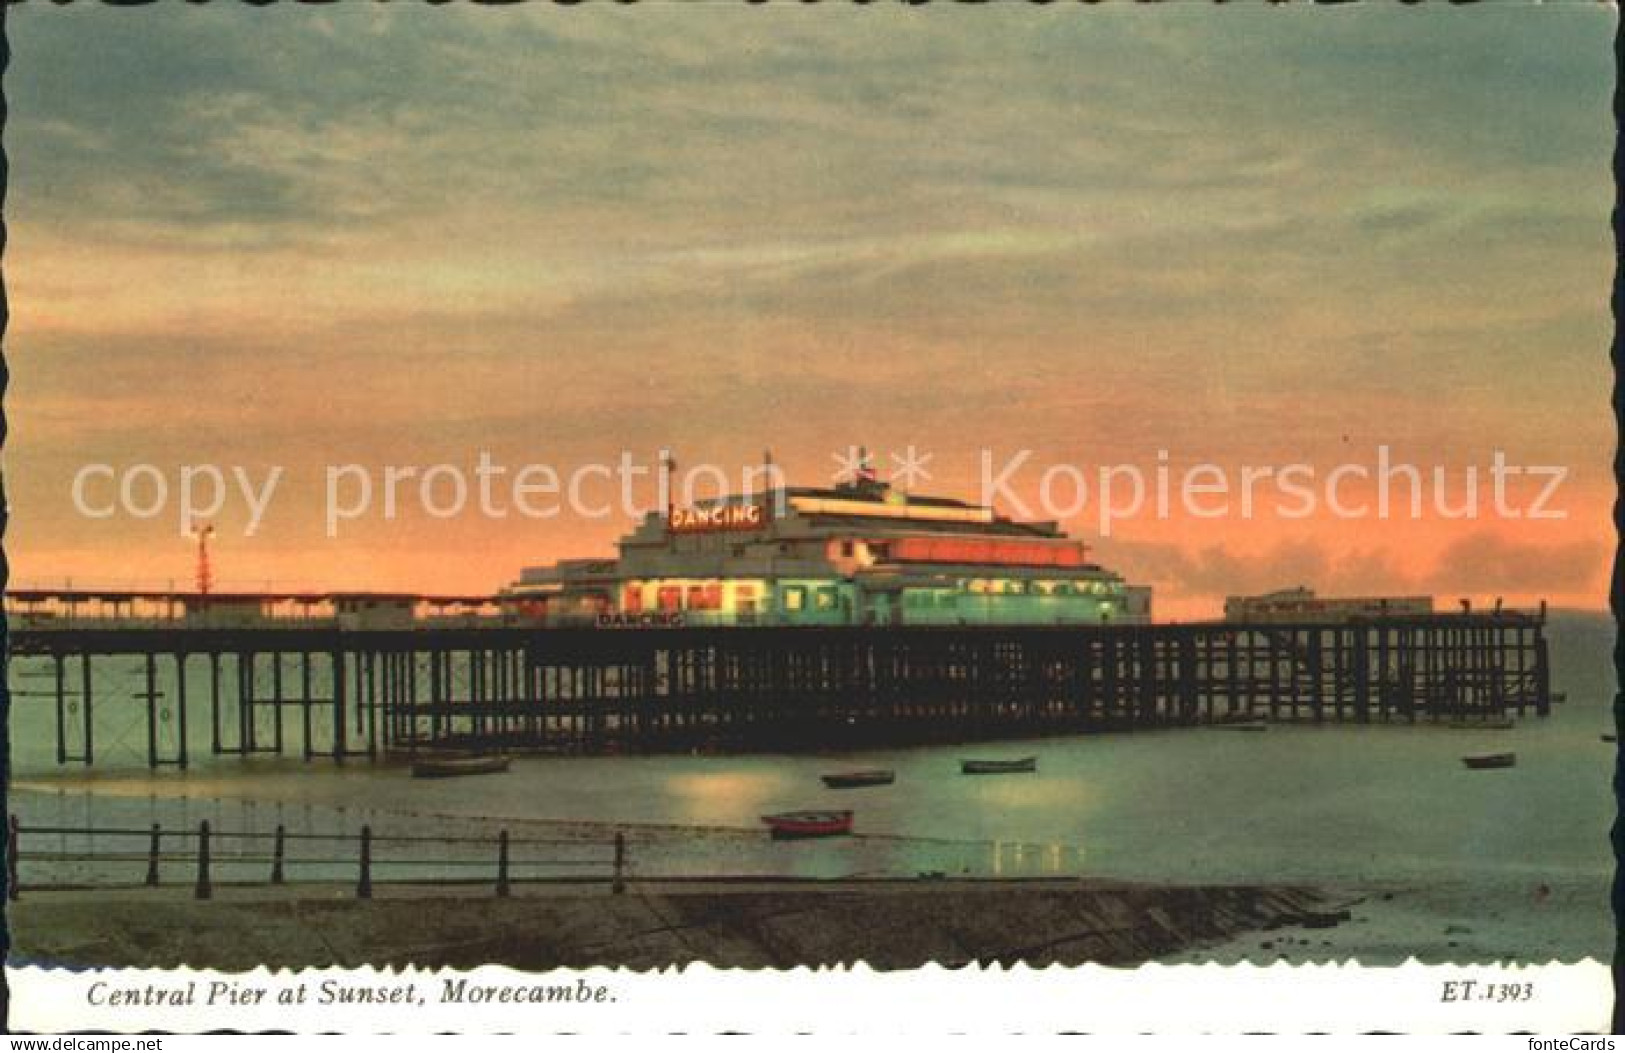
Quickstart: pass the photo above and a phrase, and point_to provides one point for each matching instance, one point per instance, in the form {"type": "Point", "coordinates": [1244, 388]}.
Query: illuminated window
{"type": "Point", "coordinates": [824, 598]}
{"type": "Point", "coordinates": [795, 598]}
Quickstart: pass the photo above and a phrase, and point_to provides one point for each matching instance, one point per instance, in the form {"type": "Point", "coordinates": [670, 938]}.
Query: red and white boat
{"type": "Point", "coordinates": [809, 824]}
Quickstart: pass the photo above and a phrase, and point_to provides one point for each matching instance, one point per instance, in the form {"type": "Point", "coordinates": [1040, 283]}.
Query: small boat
{"type": "Point", "coordinates": [1610, 737]}
{"type": "Point", "coordinates": [1492, 724]}
{"type": "Point", "coordinates": [1241, 725]}
{"type": "Point", "coordinates": [853, 780]}
{"type": "Point", "coordinates": [787, 825]}
{"type": "Point", "coordinates": [998, 767]}
{"type": "Point", "coordinates": [451, 767]}
{"type": "Point", "coordinates": [1490, 760]}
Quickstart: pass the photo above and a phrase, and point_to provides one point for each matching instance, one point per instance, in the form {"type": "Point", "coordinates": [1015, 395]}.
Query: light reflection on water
{"type": "Point", "coordinates": [696, 796]}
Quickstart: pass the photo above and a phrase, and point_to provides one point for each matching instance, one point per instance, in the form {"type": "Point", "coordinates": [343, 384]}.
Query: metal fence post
{"type": "Point", "coordinates": [502, 863]}
{"type": "Point", "coordinates": [13, 844]}
{"type": "Point", "coordinates": [205, 888]}
{"type": "Point", "coordinates": [619, 884]}
{"type": "Point", "coordinates": [363, 888]}
{"type": "Point", "coordinates": [153, 848]}
{"type": "Point", "coordinates": [278, 852]}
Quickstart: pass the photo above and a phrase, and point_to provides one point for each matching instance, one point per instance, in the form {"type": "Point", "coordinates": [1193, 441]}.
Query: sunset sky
{"type": "Point", "coordinates": [401, 236]}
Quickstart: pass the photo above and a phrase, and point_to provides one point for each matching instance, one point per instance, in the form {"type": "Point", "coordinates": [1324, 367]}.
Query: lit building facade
{"type": "Point", "coordinates": [859, 553]}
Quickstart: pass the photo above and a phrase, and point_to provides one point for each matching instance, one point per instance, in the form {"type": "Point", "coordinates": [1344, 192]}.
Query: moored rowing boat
{"type": "Point", "coordinates": [1491, 760]}
{"type": "Point", "coordinates": [809, 824]}
{"type": "Point", "coordinates": [852, 780]}
{"type": "Point", "coordinates": [998, 767]}
{"type": "Point", "coordinates": [451, 767]}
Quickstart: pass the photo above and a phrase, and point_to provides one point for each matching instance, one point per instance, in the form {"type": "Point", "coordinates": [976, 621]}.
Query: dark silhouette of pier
{"type": "Point", "coordinates": [325, 691]}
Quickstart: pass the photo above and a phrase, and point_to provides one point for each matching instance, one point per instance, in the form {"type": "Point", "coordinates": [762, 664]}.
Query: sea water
{"type": "Point", "coordinates": [1343, 804]}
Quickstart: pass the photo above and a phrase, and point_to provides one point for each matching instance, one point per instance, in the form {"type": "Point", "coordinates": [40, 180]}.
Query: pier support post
{"type": "Point", "coordinates": [247, 724]}
{"type": "Point", "coordinates": [13, 850]}
{"type": "Point", "coordinates": [84, 699]}
{"type": "Point", "coordinates": [276, 701]}
{"type": "Point", "coordinates": [1543, 675]}
{"type": "Point", "coordinates": [1320, 692]}
{"type": "Point", "coordinates": [1361, 653]}
{"type": "Point", "coordinates": [502, 863]}
{"type": "Point", "coordinates": [304, 702]}
{"type": "Point", "coordinates": [1146, 668]}
{"type": "Point", "coordinates": [1188, 679]}
{"type": "Point", "coordinates": [363, 886]}
{"type": "Point", "coordinates": [618, 885]}
{"type": "Point", "coordinates": [61, 710]}
{"type": "Point", "coordinates": [180, 710]}
{"type": "Point", "coordinates": [436, 695]}
{"type": "Point", "coordinates": [154, 846]}
{"type": "Point", "coordinates": [409, 719]}
{"type": "Point", "coordinates": [369, 708]}
{"type": "Point", "coordinates": [214, 701]}
{"type": "Point", "coordinates": [278, 854]}
{"type": "Point", "coordinates": [152, 710]}
{"type": "Point", "coordinates": [1233, 700]}
{"type": "Point", "coordinates": [1109, 680]}
{"type": "Point", "coordinates": [205, 886]}
{"type": "Point", "coordinates": [340, 692]}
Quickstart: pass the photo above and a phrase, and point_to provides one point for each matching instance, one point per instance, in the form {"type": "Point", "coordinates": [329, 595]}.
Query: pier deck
{"type": "Point", "coordinates": [329, 692]}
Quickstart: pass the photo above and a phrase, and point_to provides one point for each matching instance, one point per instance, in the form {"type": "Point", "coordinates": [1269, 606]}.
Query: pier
{"type": "Point", "coordinates": [321, 690]}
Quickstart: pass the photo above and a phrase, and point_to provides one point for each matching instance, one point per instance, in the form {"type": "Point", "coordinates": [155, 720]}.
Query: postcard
{"type": "Point", "coordinates": [840, 518]}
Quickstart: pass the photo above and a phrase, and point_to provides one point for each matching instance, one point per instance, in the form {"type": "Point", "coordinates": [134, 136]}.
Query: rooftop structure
{"type": "Point", "coordinates": [1302, 605]}
{"type": "Point", "coordinates": [859, 553]}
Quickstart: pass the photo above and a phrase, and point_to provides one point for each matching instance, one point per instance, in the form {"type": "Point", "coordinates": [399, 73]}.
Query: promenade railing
{"type": "Point", "coordinates": [40, 858]}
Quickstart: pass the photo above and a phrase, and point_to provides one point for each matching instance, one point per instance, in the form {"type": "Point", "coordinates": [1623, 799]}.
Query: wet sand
{"type": "Point", "coordinates": [1515, 923]}
{"type": "Point", "coordinates": [747, 924]}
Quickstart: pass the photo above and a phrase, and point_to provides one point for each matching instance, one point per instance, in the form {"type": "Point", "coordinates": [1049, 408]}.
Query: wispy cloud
{"type": "Point", "coordinates": [1475, 564]}
{"type": "Point", "coordinates": [1243, 230]}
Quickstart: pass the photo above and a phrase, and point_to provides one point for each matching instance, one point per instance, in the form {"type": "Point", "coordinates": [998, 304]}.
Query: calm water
{"type": "Point", "coordinates": [1328, 804]}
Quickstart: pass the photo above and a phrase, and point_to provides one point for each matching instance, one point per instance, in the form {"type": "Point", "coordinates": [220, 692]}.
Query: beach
{"type": "Point", "coordinates": [748, 924]}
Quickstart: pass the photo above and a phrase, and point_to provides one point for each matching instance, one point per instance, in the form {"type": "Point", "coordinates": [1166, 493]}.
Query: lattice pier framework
{"type": "Point", "coordinates": [344, 694]}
